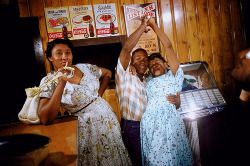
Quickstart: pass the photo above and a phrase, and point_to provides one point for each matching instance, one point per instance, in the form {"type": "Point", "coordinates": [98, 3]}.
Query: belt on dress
{"type": "Point", "coordinates": [85, 106]}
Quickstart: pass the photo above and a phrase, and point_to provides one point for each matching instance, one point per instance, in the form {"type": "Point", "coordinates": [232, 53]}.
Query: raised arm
{"type": "Point", "coordinates": [172, 59]}
{"type": "Point", "coordinates": [130, 44]}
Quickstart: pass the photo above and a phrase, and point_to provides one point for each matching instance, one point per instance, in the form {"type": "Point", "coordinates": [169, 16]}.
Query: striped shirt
{"type": "Point", "coordinates": [131, 93]}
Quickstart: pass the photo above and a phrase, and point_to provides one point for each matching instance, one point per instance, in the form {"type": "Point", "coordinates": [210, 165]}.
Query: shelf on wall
{"type": "Point", "coordinates": [99, 40]}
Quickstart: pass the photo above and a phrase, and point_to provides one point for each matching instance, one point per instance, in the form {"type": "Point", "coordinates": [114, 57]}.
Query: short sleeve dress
{"type": "Point", "coordinates": [99, 136]}
{"type": "Point", "coordinates": [163, 135]}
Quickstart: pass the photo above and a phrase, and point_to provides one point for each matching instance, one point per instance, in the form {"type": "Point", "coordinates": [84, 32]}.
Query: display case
{"type": "Point", "coordinates": [200, 96]}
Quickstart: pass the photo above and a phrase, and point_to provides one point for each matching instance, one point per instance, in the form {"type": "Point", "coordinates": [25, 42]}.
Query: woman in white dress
{"type": "Point", "coordinates": [99, 137]}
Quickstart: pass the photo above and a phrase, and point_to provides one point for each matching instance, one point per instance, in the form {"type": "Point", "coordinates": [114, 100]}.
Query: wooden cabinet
{"type": "Point", "coordinates": [110, 96]}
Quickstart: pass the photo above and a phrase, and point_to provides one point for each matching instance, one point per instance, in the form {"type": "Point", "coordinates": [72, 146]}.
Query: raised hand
{"type": "Point", "coordinates": [144, 21]}
{"type": "Point", "coordinates": [150, 21]}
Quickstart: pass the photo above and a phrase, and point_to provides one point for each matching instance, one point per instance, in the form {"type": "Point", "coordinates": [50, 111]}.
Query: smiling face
{"type": "Point", "coordinates": [242, 70]}
{"type": "Point", "coordinates": [140, 62]}
{"type": "Point", "coordinates": [60, 55]}
{"type": "Point", "coordinates": [157, 67]}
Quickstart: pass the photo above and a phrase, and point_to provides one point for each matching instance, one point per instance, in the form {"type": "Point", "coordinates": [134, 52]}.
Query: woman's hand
{"type": "Point", "coordinates": [174, 99]}
{"type": "Point", "coordinates": [66, 72]}
{"type": "Point", "coordinates": [150, 21]}
{"type": "Point", "coordinates": [144, 23]}
{"type": "Point", "coordinates": [62, 79]}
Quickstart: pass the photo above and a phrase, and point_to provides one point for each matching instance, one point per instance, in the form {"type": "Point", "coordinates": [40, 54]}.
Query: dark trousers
{"type": "Point", "coordinates": [131, 138]}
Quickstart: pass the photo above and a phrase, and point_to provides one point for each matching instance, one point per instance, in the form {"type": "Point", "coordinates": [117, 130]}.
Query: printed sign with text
{"type": "Point", "coordinates": [148, 41]}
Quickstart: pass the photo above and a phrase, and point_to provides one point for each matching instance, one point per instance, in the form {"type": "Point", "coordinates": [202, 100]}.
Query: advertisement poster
{"type": "Point", "coordinates": [106, 20]}
{"type": "Point", "coordinates": [148, 41]}
{"type": "Point", "coordinates": [56, 19]}
{"type": "Point", "coordinates": [82, 22]}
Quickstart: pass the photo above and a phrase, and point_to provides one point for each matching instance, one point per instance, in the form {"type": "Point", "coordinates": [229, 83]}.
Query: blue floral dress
{"type": "Point", "coordinates": [163, 135]}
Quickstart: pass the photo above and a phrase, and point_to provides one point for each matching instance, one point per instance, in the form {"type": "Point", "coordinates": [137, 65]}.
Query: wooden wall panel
{"type": "Point", "coordinates": [192, 30]}
{"type": "Point", "coordinates": [180, 31]}
{"type": "Point", "coordinates": [214, 21]}
{"type": "Point", "coordinates": [82, 2]}
{"type": "Point", "coordinates": [226, 41]}
{"type": "Point", "coordinates": [204, 33]}
{"type": "Point", "coordinates": [24, 8]}
{"type": "Point", "coordinates": [52, 3]}
{"type": "Point", "coordinates": [67, 3]}
{"type": "Point", "coordinates": [138, 1]}
{"type": "Point", "coordinates": [167, 22]}
{"type": "Point", "coordinates": [237, 32]}
{"type": "Point", "coordinates": [98, 1]}
{"type": "Point", "coordinates": [206, 30]}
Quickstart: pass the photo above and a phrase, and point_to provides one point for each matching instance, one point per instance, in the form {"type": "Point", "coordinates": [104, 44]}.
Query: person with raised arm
{"type": "Point", "coordinates": [163, 135]}
{"type": "Point", "coordinates": [130, 90]}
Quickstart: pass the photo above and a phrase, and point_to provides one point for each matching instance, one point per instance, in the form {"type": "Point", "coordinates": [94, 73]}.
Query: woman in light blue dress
{"type": "Point", "coordinates": [163, 135]}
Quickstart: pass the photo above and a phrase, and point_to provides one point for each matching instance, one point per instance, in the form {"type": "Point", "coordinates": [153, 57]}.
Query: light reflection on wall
{"type": "Point", "coordinates": [167, 17]}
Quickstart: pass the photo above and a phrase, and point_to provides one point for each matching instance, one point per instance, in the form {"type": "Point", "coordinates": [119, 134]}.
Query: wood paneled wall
{"type": "Point", "coordinates": [206, 30]}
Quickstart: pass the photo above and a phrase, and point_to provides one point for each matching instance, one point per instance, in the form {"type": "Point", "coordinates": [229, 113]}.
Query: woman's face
{"type": "Point", "coordinates": [60, 55]}
{"type": "Point", "coordinates": [157, 67]}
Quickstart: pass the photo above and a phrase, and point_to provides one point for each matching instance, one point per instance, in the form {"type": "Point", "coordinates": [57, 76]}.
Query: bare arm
{"type": "Point", "coordinates": [172, 59]}
{"type": "Point", "coordinates": [106, 76]}
{"type": "Point", "coordinates": [49, 107]}
{"type": "Point", "coordinates": [130, 44]}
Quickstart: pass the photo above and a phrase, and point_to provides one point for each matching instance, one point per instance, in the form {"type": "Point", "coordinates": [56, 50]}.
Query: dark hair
{"type": "Point", "coordinates": [52, 44]}
{"type": "Point", "coordinates": [139, 49]}
{"type": "Point", "coordinates": [156, 55]}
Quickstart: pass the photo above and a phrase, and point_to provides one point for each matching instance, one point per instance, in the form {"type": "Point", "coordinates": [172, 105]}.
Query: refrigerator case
{"type": "Point", "coordinates": [200, 96]}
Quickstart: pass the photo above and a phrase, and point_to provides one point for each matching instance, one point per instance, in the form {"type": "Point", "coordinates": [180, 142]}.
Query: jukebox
{"type": "Point", "coordinates": [200, 95]}
{"type": "Point", "coordinates": [200, 100]}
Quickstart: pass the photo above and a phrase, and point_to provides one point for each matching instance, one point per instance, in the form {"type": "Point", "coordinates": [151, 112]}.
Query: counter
{"type": "Point", "coordinates": [63, 135]}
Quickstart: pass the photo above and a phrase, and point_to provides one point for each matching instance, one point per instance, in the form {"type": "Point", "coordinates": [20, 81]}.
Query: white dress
{"type": "Point", "coordinates": [99, 137]}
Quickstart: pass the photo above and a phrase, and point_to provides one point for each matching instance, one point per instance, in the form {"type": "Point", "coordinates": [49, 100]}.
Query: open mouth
{"type": "Point", "coordinates": [156, 69]}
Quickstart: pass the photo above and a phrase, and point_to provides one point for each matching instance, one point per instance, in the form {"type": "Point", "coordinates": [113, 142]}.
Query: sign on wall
{"type": "Point", "coordinates": [148, 41]}
{"type": "Point", "coordinates": [56, 19]}
{"type": "Point", "coordinates": [106, 20]}
{"type": "Point", "coordinates": [82, 21]}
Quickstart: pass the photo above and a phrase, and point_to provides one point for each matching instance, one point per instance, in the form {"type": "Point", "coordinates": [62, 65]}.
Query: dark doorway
{"type": "Point", "coordinates": [102, 55]}
{"type": "Point", "coordinates": [22, 57]}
